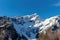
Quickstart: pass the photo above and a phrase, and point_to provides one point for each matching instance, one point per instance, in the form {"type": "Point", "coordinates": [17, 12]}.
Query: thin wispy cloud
{"type": "Point", "coordinates": [57, 4]}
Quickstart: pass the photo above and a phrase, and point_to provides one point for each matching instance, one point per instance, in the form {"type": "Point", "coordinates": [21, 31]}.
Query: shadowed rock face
{"type": "Point", "coordinates": [11, 33]}
{"type": "Point", "coordinates": [7, 31]}
{"type": "Point", "coordinates": [50, 35]}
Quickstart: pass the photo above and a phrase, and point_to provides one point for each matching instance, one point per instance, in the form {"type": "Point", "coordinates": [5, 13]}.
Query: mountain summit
{"type": "Point", "coordinates": [29, 27]}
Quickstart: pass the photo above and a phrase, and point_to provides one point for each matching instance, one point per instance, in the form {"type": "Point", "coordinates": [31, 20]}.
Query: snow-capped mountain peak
{"type": "Point", "coordinates": [33, 23]}
{"type": "Point", "coordinates": [30, 25]}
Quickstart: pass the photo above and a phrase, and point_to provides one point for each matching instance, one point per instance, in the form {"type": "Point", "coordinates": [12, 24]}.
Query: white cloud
{"type": "Point", "coordinates": [57, 4]}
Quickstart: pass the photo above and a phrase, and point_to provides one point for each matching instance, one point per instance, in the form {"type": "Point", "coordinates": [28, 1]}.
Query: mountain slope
{"type": "Point", "coordinates": [27, 27]}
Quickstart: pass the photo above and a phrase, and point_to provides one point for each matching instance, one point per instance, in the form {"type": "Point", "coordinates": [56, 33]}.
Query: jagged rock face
{"type": "Point", "coordinates": [7, 31]}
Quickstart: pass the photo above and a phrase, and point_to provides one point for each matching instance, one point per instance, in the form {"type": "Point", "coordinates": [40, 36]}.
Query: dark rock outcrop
{"type": "Point", "coordinates": [7, 31]}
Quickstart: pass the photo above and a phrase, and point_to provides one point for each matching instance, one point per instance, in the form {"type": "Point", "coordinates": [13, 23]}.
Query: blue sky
{"type": "Point", "coordinates": [44, 8]}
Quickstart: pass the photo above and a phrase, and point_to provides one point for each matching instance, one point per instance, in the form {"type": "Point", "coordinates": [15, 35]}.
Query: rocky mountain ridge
{"type": "Point", "coordinates": [27, 27]}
